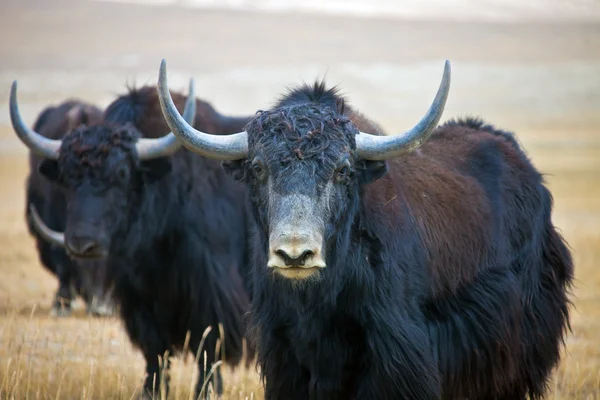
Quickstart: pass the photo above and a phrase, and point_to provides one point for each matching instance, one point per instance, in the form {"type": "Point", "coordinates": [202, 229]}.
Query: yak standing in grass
{"type": "Point", "coordinates": [85, 278]}
{"type": "Point", "coordinates": [169, 224]}
{"type": "Point", "coordinates": [417, 266]}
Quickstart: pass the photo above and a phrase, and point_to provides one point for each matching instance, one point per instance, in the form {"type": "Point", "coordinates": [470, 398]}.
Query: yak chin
{"type": "Point", "coordinates": [298, 273]}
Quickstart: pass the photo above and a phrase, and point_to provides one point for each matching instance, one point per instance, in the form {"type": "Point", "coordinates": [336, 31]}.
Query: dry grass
{"type": "Point", "coordinates": [83, 358]}
{"type": "Point", "coordinates": [87, 358]}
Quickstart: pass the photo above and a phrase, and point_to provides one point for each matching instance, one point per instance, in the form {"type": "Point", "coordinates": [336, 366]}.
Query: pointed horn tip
{"type": "Point", "coordinates": [13, 93]}
{"type": "Point", "coordinates": [447, 68]}
{"type": "Point", "coordinates": [191, 87]}
{"type": "Point", "coordinates": [162, 73]}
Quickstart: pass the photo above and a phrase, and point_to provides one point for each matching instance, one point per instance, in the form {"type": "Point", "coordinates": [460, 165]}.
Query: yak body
{"type": "Point", "coordinates": [85, 278]}
{"type": "Point", "coordinates": [171, 230]}
{"type": "Point", "coordinates": [445, 276]}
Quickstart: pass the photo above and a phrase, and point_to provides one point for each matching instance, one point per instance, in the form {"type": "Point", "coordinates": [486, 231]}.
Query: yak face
{"type": "Point", "coordinates": [99, 170]}
{"type": "Point", "coordinates": [304, 178]}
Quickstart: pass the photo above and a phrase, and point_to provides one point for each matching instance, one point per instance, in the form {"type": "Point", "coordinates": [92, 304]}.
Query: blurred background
{"type": "Point", "coordinates": [531, 67]}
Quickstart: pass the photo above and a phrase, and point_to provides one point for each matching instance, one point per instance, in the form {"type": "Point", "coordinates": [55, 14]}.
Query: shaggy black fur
{"type": "Point", "coordinates": [173, 229]}
{"type": "Point", "coordinates": [73, 276]}
{"type": "Point", "coordinates": [445, 276]}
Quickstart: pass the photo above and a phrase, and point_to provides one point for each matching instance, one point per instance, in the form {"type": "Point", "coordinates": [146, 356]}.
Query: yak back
{"type": "Point", "coordinates": [473, 196]}
{"type": "Point", "coordinates": [141, 107]}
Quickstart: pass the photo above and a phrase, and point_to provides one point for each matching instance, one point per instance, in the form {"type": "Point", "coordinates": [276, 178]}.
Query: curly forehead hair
{"type": "Point", "coordinates": [305, 130]}
{"type": "Point", "coordinates": [90, 145]}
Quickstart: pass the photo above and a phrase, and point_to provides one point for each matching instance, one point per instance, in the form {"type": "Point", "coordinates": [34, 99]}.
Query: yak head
{"type": "Point", "coordinates": [103, 170]}
{"type": "Point", "coordinates": [304, 162]}
{"type": "Point", "coordinates": [102, 176]}
{"type": "Point", "coordinates": [304, 177]}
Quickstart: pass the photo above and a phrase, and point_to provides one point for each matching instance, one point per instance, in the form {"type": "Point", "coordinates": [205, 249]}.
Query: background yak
{"type": "Point", "coordinates": [169, 224]}
{"type": "Point", "coordinates": [86, 278]}
{"type": "Point", "coordinates": [418, 266]}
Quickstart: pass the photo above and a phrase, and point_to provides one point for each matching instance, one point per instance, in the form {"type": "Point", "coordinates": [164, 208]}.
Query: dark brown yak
{"type": "Point", "coordinates": [169, 224]}
{"type": "Point", "coordinates": [423, 265]}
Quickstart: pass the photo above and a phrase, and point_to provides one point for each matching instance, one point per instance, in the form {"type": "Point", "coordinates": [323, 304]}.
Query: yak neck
{"type": "Point", "coordinates": [147, 221]}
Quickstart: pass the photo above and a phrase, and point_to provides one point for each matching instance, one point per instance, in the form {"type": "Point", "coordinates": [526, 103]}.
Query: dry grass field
{"type": "Point", "coordinates": [541, 81]}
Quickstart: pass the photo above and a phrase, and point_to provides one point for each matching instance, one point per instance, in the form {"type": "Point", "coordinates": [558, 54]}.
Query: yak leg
{"type": "Point", "coordinates": [216, 379]}
{"type": "Point", "coordinates": [58, 263]}
{"type": "Point", "coordinates": [65, 293]}
{"type": "Point", "coordinates": [285, 378]}
{"type": "Point", "coordinates": [53, 258]}
{"type": "Point", "coordinates": [157, 353]}
{"type": "Point", "coordinates": [206, 356]}
{"type": "Point", "coordinates": [147, 333]}
{"type": "Point", "coordinates": [157, 376]}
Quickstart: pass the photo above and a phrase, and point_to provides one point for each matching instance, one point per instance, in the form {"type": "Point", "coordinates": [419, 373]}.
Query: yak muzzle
{"type": "Point", "coordinates": [85, 246]}
{"type": "Point", "coordinates": [296, 257]}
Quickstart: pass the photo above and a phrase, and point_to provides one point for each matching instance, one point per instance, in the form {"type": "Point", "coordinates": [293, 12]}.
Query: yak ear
{"type": "Point", "coordinates": [155, 169]}
{"type": "Point", "coordinates": [235, 168]}
{"type": "Point", "coordinates": [373, 170]}
{"type": "Point", "coordinates": [49, 169]}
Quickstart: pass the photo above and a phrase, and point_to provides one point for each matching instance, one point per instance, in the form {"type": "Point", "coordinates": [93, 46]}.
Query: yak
{"type": "Point", "coordinates": [422, 265]}
{"type": "Point", "coordinates": [169, 224]}
{"type": "Point", "coordinates": [84, 278]}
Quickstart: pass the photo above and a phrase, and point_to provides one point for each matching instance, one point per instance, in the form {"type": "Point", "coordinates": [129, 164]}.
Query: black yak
{"type": "Point", "coordinates": [74, 277]}
{"type": "Point", "coordinates": [423, 265]}
{"type": "Point", "coordinates": [169, 224]}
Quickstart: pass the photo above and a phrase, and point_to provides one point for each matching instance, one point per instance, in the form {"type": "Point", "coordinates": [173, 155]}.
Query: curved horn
{"type": "Point", "coordinates": [169, 144]}
{"type": "Point", "coordinates": [222, 147]}
{"type": "Point", "coordinates": [39, 144]}
{"type": "Point", "coordinates": [53, 237]}
{"type": "Point", "coordinates": [373, 147]}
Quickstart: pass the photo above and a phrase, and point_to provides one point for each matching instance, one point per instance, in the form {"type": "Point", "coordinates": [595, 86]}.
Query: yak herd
{"type": "Point", "coordinates": [349, 263]}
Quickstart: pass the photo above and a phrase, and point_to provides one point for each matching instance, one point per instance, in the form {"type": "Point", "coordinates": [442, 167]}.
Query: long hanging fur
{"type": "Point", "coordinates": [178, 242]}
{"type": "Point", "coordinates": [445, 276]}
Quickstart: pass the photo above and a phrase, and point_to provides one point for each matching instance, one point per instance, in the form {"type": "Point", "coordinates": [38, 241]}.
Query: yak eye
{"type": "Point", "coordinates": [122, 173]}
{"type": "Point", "coordinates": [343, 170]}
{"type": "Point", "coordinates": [258, 168]}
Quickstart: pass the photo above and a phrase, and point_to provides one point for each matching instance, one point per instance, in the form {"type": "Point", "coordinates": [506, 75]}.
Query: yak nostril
{"type": "Point", "coordinates": [294, 261]}
{"type": "Point", "coordinates": [306, 254]}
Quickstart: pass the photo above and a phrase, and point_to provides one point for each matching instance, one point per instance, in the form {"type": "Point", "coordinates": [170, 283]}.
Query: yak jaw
{"type": "Point", "coordinates": [296, 238]}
